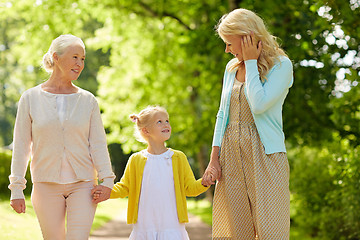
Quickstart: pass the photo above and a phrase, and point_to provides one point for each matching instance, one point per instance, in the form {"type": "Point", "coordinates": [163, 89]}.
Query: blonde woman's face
{"type": "Point", "coordinates": [233, 46]}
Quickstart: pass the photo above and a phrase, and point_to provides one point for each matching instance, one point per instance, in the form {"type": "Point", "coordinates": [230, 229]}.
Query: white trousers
{"type": "Point", "coordinates": [52, 202]}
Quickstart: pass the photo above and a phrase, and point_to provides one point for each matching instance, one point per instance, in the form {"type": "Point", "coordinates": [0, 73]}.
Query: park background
{"type": "Point", "coordinates": [166, 52]}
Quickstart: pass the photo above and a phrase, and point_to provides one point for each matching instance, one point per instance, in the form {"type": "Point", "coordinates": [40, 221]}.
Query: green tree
{"type": "Point", "coordinates": [147, 52]}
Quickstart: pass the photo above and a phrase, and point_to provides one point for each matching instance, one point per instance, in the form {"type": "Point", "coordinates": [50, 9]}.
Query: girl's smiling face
{"type": "Point", "coordinates": [159, 129]}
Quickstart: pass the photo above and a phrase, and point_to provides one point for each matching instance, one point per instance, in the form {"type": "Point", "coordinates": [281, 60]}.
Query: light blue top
{"type": "Point", "coordinates": [265, 100]}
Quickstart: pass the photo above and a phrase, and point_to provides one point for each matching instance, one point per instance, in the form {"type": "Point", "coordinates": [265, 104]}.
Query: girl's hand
{"type": "Point", "coordinates": [18, 205]}
{"type": "Point", "coordinates": [250, 49]}
{"type": "Point", "coordinates": [96, 194]}
{"type": "Point", "coordinates": [213, 171]}
{"type": "Point", "coordinates": [105, 193]}
{"type": "Point", "coordinates": [209, 178]}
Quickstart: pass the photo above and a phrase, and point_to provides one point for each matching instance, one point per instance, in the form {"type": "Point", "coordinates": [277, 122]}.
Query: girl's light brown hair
{"type": "Point", "coordinates": [242, 22]}
{"type": "Point", "coordinates": [144, 118]}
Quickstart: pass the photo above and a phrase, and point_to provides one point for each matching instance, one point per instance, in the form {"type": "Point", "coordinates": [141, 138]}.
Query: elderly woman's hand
{"type": "Point", "coordinates": [18, 205]}
{"type": "Point", "coordinates": [100, 193]}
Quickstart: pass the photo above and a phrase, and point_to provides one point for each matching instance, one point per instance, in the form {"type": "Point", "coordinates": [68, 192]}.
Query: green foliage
{"type": "Point", "coordinates": [325, 183]}
{"type": "Point", "coordinates": [346, 115]}
{"type": "Point", "coordinates": [304, 28]}
{"type": "Point", "coordinates": [150, 66]}
{"type": "Point", "coordinates": [167, 53]}
{"type": "Point", "coordinates": [5, 166]}
{"type": "Point", "coordinates": [201, 208]}
{"type": "Point", "coordinates": [149, 52]}
{"type": "Point", "coordinates": [5, 162]}
{"type": "Point", "coordinates": [108, 210]}
{"type": "Point", "coordinates": [118, 159]}
{"type": "Point", "coordinates": [18, 226]}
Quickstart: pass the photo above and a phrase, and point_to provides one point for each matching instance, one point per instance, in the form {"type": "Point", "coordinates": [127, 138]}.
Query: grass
{"type": "Point", "coordinates": [108, 210]}
{"type": "Point", "coordinates": [200, 208]}
{"type": "Point", "coordinates": [16, 226]}
{"type": "Point", "coordinates": [25, 226]}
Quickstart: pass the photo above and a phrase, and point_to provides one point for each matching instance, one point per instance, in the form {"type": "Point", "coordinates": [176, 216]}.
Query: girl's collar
{"type": "Point", "coordinates": [168, 154]}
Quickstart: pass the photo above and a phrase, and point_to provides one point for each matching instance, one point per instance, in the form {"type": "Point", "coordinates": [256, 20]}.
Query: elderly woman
{"type": "Point", "coordinates": [58, 124]}
{"type": "Point", "coordinates": [252, 193]}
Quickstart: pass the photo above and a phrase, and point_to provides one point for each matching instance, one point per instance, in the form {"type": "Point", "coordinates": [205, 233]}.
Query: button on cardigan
{"type": "Point", "coordinates": [265, 99]}
{"type": "Point", "coordinates": [39, 134]}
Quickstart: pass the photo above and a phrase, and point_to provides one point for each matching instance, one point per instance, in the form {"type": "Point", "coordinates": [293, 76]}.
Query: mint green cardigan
{"type": "Point", "coordinates": [265, 99]}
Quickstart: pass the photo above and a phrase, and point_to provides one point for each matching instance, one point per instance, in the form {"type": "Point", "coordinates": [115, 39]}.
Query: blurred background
{"type": "Point", "coordinates": [158, 52]}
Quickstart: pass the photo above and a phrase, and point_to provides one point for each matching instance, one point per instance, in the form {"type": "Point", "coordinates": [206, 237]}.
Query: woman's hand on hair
{"type": "Point", "coordinates": [250, 48]}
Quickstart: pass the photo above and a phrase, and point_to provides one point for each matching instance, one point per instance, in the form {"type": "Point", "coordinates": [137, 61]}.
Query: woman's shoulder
{"type": "Point", "coordinates": [87, 97]}
{"type": "Point", "coordinates": [37, 88]}
{"type": "Point", "coordinates": [283, 60]}
{"type": "Point", "coordinates": [85, 93]}
{"type": "Point", "coordinates": [31, 91]}
{"type": "Point", "coordinates": [282, 63]}
{"type": "Point", "coordinates": [230, 64]}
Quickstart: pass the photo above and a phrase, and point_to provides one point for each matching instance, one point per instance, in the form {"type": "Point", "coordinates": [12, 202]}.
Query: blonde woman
{"type": "Point", "coordinates": [59, 125]}
{"type": "Point", "coordinates": [252, 193]}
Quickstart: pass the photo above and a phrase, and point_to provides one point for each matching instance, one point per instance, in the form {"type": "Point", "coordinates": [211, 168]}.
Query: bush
{"type": "Point", "coordinates": [325, 183]}
{"type": "Point", "coordinates": [5, 169]}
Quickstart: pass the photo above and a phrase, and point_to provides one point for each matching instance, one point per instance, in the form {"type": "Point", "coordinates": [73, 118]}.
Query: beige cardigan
{"type": "Point", "coordinates": [38, 132]}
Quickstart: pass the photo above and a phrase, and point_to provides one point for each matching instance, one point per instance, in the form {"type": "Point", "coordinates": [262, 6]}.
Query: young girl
{"type": "Point", "coordinates": [157, 181]}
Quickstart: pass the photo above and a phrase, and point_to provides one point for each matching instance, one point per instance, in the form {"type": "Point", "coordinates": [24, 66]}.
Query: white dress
{"type": "Point", "coordinates": [157, 215]}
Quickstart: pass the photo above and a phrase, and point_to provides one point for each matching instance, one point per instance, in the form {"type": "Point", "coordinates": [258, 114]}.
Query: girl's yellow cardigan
{"type": "Point", "coordinates": [184, 182]}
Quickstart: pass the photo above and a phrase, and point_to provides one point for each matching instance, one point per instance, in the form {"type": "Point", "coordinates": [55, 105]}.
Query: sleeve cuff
{"type": "Point", "coordinates": [203, 188]}
{"type": "Point", "coordinates": [251, 63]}
{"type": "Point", "coordinates": [251, 69]}
{"type": "Point", "coordinates": [108, 182]}
{"type": "Point", "coordinates": [17, 194]}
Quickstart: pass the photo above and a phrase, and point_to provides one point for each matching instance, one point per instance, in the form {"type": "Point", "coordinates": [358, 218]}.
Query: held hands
{"type": "Point", "coordinates": [213, 171]}
{"type": "Point", "coordinates": [18, 205]}
{"type": "Point", "coordinates": [100, 193]}
{"type": "Point", "coordinates": [250, 49]}
{"type": "Point", "coordinates": [209, 176]}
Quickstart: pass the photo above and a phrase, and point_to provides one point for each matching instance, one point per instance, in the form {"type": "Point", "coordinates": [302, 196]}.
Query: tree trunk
{"type": "Point", "coordinates": [233, 4]}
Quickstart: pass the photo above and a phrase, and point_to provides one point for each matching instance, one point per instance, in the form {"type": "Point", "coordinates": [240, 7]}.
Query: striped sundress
{"type": "Point", "coordinates": [252, 199]}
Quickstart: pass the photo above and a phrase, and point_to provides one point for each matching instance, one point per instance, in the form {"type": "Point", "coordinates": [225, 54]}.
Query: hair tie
{"type": "Point", "coordinates": [134, 119]}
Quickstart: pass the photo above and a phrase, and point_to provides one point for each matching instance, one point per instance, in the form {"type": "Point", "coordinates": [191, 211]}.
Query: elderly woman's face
{"type": "Point", "coordinates": [72, 61]}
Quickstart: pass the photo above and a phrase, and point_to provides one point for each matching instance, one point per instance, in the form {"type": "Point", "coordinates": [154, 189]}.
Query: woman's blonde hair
{"type": "Point", "coordinates": [242, 22]}
{"type": "Point", "coordinates": [59, 45]}
{"type": "Point", "coordinates": [144, 119]}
